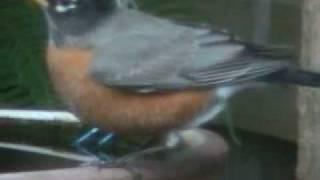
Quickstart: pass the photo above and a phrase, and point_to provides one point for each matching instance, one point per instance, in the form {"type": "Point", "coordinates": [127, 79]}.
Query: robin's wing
{"type": "Point", "coordinates": [155, 54]}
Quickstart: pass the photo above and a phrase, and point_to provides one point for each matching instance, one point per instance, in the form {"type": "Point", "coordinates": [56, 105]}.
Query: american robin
{"type": "Point", "coordinates": [133, 73]}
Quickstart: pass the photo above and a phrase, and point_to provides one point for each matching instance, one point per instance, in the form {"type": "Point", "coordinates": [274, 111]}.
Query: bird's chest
{"type": "Point", "coordinates": [113, 109]}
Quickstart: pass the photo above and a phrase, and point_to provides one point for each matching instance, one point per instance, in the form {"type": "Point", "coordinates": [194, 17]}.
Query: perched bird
{"type": "Point", "coordinates": [133, 73]}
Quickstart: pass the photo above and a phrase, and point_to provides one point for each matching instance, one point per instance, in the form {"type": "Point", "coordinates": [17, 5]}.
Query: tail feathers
{"type": "Point", "coordinates": [294, 76]}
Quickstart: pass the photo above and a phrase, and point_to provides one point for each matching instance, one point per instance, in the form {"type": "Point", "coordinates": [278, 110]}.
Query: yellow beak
{"type": "Point", "coordinates": [43, 3]}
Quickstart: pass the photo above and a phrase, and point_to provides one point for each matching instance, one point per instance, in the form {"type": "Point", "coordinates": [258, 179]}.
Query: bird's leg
{"type": "Point", "coordinates": [83, 139]}
{"type": "Point", "coordinates": [104, 143]}
{"type": "Point", "coordinates": [88, 143]}
{"type": "Point", "coordinates": [171, 141]}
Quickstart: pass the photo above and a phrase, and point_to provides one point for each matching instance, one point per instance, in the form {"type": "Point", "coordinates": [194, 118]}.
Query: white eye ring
{"type": "Point", "coordinates": [60, 8]}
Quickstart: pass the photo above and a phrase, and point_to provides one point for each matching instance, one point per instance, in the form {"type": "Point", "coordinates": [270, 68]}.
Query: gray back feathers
{"type": "Point", "coordinates": [142, 52]}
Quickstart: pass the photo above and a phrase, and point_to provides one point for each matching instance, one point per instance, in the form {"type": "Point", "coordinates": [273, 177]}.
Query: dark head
{"type": "Point", "coordinates": [75, 17]}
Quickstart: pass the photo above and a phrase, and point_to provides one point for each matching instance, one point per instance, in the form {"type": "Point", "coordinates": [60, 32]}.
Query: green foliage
{"type": "Point", "coordinates": [23, 77]}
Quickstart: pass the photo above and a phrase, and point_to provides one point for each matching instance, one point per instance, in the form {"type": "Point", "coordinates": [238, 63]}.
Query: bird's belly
{"type": "Point", "coordinates": [115, 110]}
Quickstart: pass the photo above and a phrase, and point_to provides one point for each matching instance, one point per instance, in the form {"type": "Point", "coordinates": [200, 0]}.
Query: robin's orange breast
{"type": "Point", "coordinates": [115, 110]}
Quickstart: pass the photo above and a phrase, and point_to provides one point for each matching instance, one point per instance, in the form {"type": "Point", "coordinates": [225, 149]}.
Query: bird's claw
{"type": "Point", "coordinates": [97, 140]}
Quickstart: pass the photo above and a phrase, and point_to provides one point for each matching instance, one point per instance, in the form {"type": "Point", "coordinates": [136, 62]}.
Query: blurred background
{"type": "Point", "coordinates": [265, 119]}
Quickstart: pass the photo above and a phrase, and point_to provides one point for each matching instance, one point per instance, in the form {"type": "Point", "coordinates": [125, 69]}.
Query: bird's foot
{"type": "Point", "coordinates": [96, 142]}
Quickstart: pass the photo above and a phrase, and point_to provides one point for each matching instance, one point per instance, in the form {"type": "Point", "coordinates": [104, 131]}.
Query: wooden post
{"type": "Point", "coordinates": [308, 98]}
{"type": "Point", "coordinates": [262, 13]}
